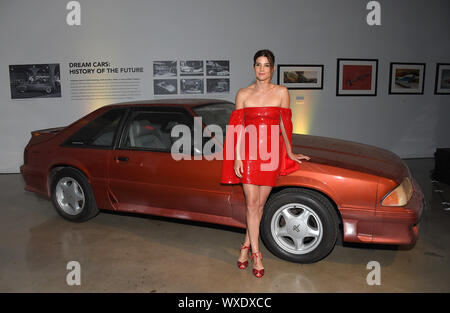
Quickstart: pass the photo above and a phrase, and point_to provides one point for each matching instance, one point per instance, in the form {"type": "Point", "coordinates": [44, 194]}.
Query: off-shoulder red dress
{"type": "Point", "coordinates": [266, 159]}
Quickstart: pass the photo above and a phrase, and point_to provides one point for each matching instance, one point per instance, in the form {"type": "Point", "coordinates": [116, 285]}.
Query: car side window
{"type": "Point", "coordinates": [99, 132]}
{"type": "Point", "coordinates": [150, 130]}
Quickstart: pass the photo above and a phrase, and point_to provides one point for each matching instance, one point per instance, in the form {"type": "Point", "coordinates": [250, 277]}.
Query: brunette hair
{"type": "Point", "coordinates": [265, 53]}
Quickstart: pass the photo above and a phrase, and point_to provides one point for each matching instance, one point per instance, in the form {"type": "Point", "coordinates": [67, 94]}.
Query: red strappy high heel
{"type": "Point", "coordinates": [257, 273]}
{"type": "Point", "coordinates": [243, 265]}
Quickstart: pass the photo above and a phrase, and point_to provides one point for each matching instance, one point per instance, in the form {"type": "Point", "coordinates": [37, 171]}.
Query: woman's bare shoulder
{"type": "Point", "coordinates": [241, 95]}
{"type": "Point", "coordinates": [281, 89]}
{"type": "Point", "coordinates": [284, 95]}
{"type": "Point", "coordinates": [247, 90]}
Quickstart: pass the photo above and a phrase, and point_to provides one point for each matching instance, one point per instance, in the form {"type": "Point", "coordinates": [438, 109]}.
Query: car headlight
{"type": "Point", "coordinates": [400, 195]}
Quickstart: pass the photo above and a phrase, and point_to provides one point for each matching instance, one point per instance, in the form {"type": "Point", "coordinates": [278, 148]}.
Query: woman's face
{"type": "Point", "coordinates": [263, 70]}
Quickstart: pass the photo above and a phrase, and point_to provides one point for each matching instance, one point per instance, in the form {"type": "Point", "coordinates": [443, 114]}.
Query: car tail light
{"type": "Point", "coordinates": [400, 195]}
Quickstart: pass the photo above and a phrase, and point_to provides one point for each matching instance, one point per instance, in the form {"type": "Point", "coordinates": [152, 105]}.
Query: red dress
{"type": "Point", "coordinates": [264, 159]}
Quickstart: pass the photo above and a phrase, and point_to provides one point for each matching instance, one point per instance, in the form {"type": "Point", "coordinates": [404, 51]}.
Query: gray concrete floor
{"type": "Point", "coordinates": [136, 253]}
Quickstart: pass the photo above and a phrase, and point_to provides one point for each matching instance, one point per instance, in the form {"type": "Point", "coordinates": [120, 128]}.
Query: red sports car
{"type": "Point", "coordinates": [120, 157]}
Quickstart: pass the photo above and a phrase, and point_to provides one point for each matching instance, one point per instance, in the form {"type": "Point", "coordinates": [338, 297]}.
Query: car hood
{"type": "Point", "coordinates": [351, 155]}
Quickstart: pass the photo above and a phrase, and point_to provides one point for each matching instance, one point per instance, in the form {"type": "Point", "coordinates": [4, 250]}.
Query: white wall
{"type": "Point", "coordinates": [135, 33]}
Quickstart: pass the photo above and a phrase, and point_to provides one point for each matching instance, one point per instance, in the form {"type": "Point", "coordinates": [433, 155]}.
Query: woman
{"type": "Point", "coordinates": [262, 104]}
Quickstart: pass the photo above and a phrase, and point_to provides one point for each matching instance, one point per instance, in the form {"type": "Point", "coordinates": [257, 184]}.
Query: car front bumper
{"type": "Point", "coordinates": [386, 225]}
{"type": "Point", "coordinates": [400, 226]}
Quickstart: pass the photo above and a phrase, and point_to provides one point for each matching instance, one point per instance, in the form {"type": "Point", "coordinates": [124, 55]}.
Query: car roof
{"type": "Point", "coordinates": [189, 102]}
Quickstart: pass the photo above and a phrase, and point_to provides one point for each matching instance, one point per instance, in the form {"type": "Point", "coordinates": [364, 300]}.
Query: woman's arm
{"type": "Point", "coordinates": [239, 105]}
{"type": "Point", "coordinates": [238, 166]}
{"type": "Point", "coordinates": [285, 103]}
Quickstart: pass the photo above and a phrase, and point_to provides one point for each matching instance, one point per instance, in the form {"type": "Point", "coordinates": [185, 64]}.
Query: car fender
{"type": "Point", "coordinates": [59, 164]}
{"type": "Point", "coordinates": [309, 183]}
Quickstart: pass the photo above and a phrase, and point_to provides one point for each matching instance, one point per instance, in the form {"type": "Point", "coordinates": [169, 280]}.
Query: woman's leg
{"type": "Point", "coordinates": [251, 193]}
{"type": "Point", "coordinates": [256, 197]}
{"type": "Point", "coordinates": [244, 252]}
{"type": "Point", "coordinates": [264, 192]}
{"type": "Point", "coordinates": [252, 201]}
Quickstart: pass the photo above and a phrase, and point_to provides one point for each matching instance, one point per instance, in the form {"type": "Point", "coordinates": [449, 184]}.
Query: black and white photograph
{"type": "Point", "coordinates": [300, 76]}
{"type": "Point", "coordinates": [218, 85]}
{"type": "Point", "coordinates": [192, 68]}
{"type": "Point", "coordinates": [406, 78]}
{"type": "Point", "coordinates": [35, 81]}
{"type": "Point", "coordinates": [217, 68]}
{"type": "Point", "coordinates": [164, 68]}
{"type": "Point", "coordinates": [191, 86]}
{"type": "Point", "coordinates": [165, 86]}
{"type": "Point", "coordinates": [442, 81]}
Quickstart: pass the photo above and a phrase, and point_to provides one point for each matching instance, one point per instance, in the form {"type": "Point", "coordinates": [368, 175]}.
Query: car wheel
{"type": "Point", "coordinates": [48, 89]}
{"type": "Point", "coordinates": [72, 196]}
{"type": "Point", "coordinates": [299, 225]}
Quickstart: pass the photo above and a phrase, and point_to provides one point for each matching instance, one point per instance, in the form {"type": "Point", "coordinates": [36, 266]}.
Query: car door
{"type": "Point", "coordinates": [90, 147]}
{"type": "Point", "coordinates": [144, 177]}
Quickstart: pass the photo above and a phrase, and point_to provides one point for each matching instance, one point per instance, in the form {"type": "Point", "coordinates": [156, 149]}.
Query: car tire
{"type": "Point", "coordinates": [72, 195]}
{"type": "Point", "coordinates": [299, 225]}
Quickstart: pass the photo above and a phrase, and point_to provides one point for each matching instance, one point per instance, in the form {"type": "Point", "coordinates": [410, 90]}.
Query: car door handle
{"type": "Point", "coordinates": [121, 159]}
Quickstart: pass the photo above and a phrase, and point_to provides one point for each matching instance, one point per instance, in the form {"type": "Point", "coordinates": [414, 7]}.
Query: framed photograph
{"type": "Point", "coordinates": [218, 85]}
{"type": "Point", "coordinates": [191, 86]}
{"type": "Point", "coordinates": [191, 68]}
{"type": "Point", "coordinates": [165, 87]}
{"type": "Point", "coordinates": [164, 68]}
{"type": "Point", "coordinates": [217, 68]}
{"type": "Point", "coordinates": [406, 78]}
{"type": "Point", "coordinates": [357, 77]}
{"type": "Point", "coordinates": [442, 84]}
{"type": "Point", "coordinates": [35, 81]}
{"type": "Point", "coordinates": [304, 76]}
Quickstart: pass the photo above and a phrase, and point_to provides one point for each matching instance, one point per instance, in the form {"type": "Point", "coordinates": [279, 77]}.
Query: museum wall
{"type": "Point", "coordinates": [118, 42]}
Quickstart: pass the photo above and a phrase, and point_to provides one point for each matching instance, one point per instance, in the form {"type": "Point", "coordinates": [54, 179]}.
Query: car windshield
{"type": "Point", "coordinates": [217, 113]}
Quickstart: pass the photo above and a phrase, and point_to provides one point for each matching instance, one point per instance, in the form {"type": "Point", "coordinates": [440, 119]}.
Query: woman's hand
{"type": "Point", "coordinates": [238, 168]}
{"type": "Point", "coordinates": [298, 157]}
